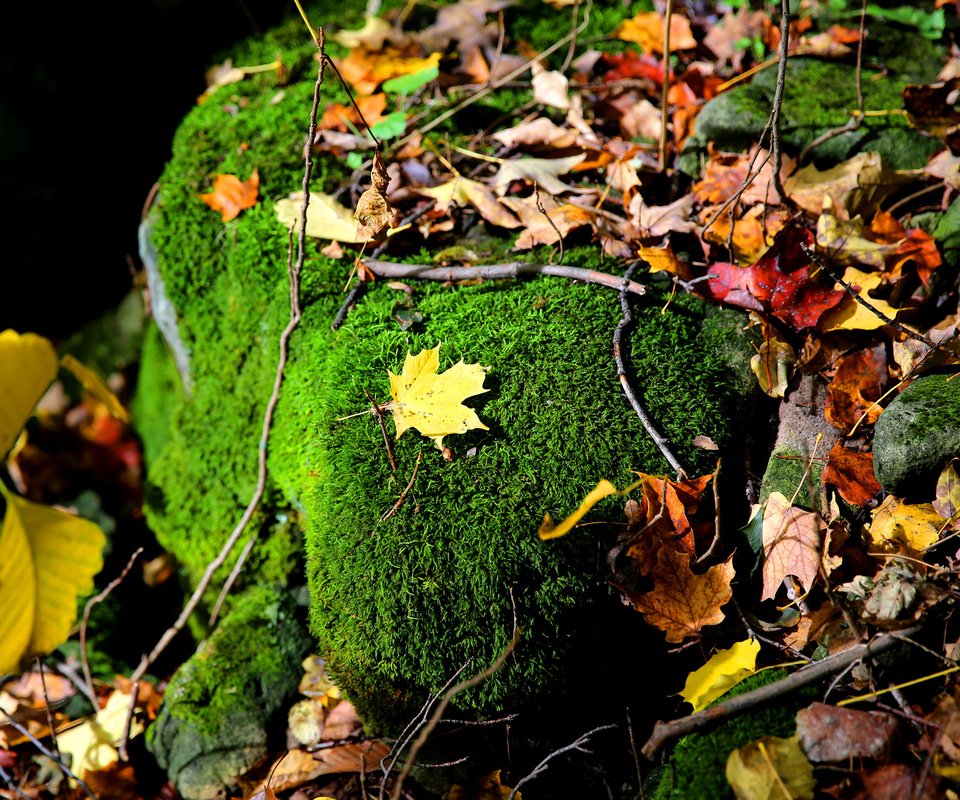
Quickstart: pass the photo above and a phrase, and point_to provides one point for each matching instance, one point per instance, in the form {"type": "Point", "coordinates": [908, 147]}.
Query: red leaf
{"type": "Point", "coordinates": [631, 64]}
{"type": "Point", "coordinates": [852, 474]}
{"type": "Point", "coordinates": [778, 283]}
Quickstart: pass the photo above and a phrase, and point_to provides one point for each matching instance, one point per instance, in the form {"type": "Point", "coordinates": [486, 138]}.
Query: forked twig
{"type": "Point", "coordinates": [403, 495]}
{"type": "Point", "coordinates": [577, 745]}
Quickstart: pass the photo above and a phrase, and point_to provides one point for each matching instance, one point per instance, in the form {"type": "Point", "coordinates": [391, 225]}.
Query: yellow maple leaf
{"type": "Point", "coordinates": [432, 401]}
{"type": "Point", "coordinates": [918, 526]}
{"type": "Point", "coordinates": [724, 670]}
{"type": "Point", "coordinates": [28, 365]}
{"type": "Point", "coordinates": [771, 767]}
{"type": "Point", "coordinates": [92, 745]}
{"type": "Point", "coordinates": [851, 315]}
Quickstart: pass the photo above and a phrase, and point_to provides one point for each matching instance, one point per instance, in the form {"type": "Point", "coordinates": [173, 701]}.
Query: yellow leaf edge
{"type": "Point", "coordinates": [724, 670]}
{"type": "Point", "coordinates": [91, 381]}
{"type": "Point", "coordinates": [550, 530]}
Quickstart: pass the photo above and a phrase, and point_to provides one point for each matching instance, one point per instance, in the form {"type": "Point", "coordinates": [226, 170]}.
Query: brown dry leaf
{"type": "Point", "coordinates": [844, 242]}
{"type": "Point", "coordinates": [550, 87]}
{"type": "Point", "coordinates": [657, 221]}
{"type": "Point", "coordinates": [855, 388]}
{"type": "Point", "coordinates": [298, 767]}
{"type": "Point", "coordinates": [365, 69]}
{"type": "Point", "coordinates": [544, 172]}
{"type": "Point", "coordinates": [912, 356]}
{"type": "Point", "coordinates": [542, 228]}
{"type": "Point", "coordinates": [725, 174]}
{"type": "Point", "coordinates": [486, 787]}
{"type": "Point", "coordinates": [725, 38]}
{"type": "Point", "coordinates": [337, 116]}
{"type": "Point", "coordinates": [646, 29]}
{"type": "Point", "coordinates": [851, 473]}
{"type": "Point", "coordinates": [682, 602]}
{"type": "Point", "coordinates": [230, 195]}
{"type": "Point", "coordinates": [859, 185]}
{"type": "Point", "coordinates": [947, 502]}
{"type": "Point", "coordinates": [374, 213]}
{"type": "Point", "coordinates": [541, 132]}
{"type": "Point", "coordinates": [918, 526]}
{"type": "Point", "coordinates": [791, 544]}
{"type": "Point", "coordinates": [464, 22]}
{"type": "Point", "coordinates": [462, 191]}
{"type": "Point", "coordinates": [638, 117]}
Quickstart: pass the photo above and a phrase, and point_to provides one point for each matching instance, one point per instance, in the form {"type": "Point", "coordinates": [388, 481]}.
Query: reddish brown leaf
{"type": "Point", "coordinates": [852, 474]}
{"type": "Point", "coordinates": [631, 64]}
{"type": "Point", "coordinates": [230, 195]}
{"type": "Point", "coordinates": [339, 117]}
{"type": "Point", "coordinates": [828, 733]}
{"type": "Point", "coordinates": [855, 388]}
{"type": "Point", "coordinates": [779, 283]}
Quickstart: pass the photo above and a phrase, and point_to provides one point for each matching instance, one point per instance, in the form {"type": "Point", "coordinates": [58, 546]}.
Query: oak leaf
{"type": "Point", "coordinates": [791, 544]}
{"type": "Point", "coordinates": [724, 670]}
{"type": "Point", "coordinates": [230, 195]}
{"type": "Point", "coordinates": [683, 602]}
{"type": "Point", "coordinates": [432, 401]}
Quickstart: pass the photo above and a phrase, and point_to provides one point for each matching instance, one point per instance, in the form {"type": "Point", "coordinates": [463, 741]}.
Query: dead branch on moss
{"type": "Point", "coordinates": [665, 731]}
{"type": "Point", "coordinates": [403, 495]}
{"type": "Point", "coordinates": [427, 727]}
{"type": "Point", "coordinates": [378, 413]}
{"type": "Point", "coordinates": [293, 270]}
{"type": "Point", "coordinates": [577, 745]}
{"type": "Point", "coordinates": [492, 272]}
{"type": "Point", "coordinates": [620, 349]}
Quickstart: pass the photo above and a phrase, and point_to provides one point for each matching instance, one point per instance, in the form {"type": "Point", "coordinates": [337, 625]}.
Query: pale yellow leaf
{"type": "Point", "coordinates": [49, 559]}
{"type": "Point", "coordinates": [917, 526]}
{"type": "Point", "coordinates": [92, 745]}
{"type": "Point", "coordinates": [544, 172]}
{"type": "Point", "coordinates": [28, 365]}
{"type": "Point", "coordinates": [843, 239]}
{"type": "Point", "coordinates": [432, 402]}
{"type": "Point", "coordinates": [724, 670]}
{"type": "Point", "coordinates": [773, 365]}
{"type": "Point", "coordinates": [771, 768]}
{"type": "Point", "coordinates": [462, 191]}
{"type": "Point", "coordinates": [791, 544]}
{"type": "Point", "coordinates": [549, 530]}
{"type": "Point", "coordinates": [550, 87]}
{"type": "Point", "coordinates": [326, 218]}
{"type": "Point", "coordinates": [372, 35]}
{"type": "Point", "coordinates": [851, 315]}
{"type": "Point", "coordinates": [947, 502]}
{"type": "Point", "coordinates": [95, 385]}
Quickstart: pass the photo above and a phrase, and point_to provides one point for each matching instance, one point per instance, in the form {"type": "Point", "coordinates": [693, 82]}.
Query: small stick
{"type": "Point", "coordinates": [664, 731]}
{"type": "Point", "coordinates": [46, 703]}
{"type": "Point", "coordinates": [122, 746]}
{"type": "Point", "coordinates": [665, 86]}
{"type": "Point", "coordinates": [716, 516]}
{"type": "Point", "coordinates": [403, 495]}
{"type": "Point", "coordinates": [85, 620]}
{"type": "Point", "coordinates": [556, 230]}
{"type": "Point", "coordinates": [232, 579]}
{"type": "Point", "coordinates": [378, 413]}
{"type": "Point", "coordinates": [633, 752]}
{"type": "Point", "coordinates": [618, 354]}
{"type": "Point", "coordinates": [778, 98]}
{"type": "Point", "coordinates": [429, 272]}
{"type": "Point", "coordinates": [577, 745]}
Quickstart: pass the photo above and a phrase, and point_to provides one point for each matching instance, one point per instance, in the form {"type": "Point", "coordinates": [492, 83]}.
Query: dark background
{"type": "Point", "coordinates": [90, 96]}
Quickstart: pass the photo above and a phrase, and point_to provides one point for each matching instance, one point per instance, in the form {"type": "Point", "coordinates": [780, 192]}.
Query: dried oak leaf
{"type": "Point", "coordinates": [851, 473]}
{"type": "Point", "coordinates": [230, 195]}
{"type": "Point", "coordinates": [855, 388]}
{"type": "Point", "coordinates": [791, 544]}
{"type": "Point", "coordinates": [778, 283]}
{"type": "Point", "coordinates": [683, 602]}
{"type": "Point", "coordinates": [432, 402]}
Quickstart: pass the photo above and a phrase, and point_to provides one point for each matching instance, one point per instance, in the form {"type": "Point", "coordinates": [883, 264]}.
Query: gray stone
{"type": "Point", "coordinates": [917, 435]}
{"type": "Point", "coordinates": [831, 734]}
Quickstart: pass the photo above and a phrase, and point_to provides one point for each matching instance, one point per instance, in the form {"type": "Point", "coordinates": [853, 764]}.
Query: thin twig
{"type": "Point", "coordinates": [122, 746]}
{"type": "Point", "coordinates": [46, 705]}
{"type": "Point", "coordinates": [716, 516]}
{"type": "Point", "coordinates": [85, 620]}
{"type": "Point", "coordinates": [633, 752]}
{"type": "Point", "coordinates": [378, 413]}
{"type": "Point", "coordinates": [295, 313]}
{"type": "Point", "coordinates": [665, 86]}
{"type": "Point", "coordinates": [429, 272]}
{"type": "Point", "coordinates": [568, 59]}
{"type": "Point", "coordinates": [452, 692]}
{"type": "Point", "coordinates": [778, 98]}
{"type": "Point", "coordinates": [8, 779]}
{"type": "Point", "coordinates": [403, 495]}
{"type": "Point", "coordinates": [665, 731]}
{"type": "Point", "coordinates": [577, 745]}
{"type": "Point", "coordinates": [40, 746]}
{"type": "Point", "coordinates": [620, 347]}
{"type": "Point", "coordinates": [232, 579]}
{"type": "Point", "coordinates": [556, 230]}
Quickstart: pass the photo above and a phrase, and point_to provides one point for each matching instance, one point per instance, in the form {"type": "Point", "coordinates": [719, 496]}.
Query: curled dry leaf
{"type": "Point", "coordinates": [374, 213]}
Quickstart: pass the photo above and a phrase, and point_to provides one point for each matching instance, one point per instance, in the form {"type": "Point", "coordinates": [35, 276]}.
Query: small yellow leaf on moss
{"type": "Point", "coordinates": [49, 559]}
{"type": "Point", "coordinates": [724, 670]}
{"type": "Point", "coordinates": [28, 365]}
{"type": "Point", "coordinates": [432, 401]}
{"type": "Point", "coordinates": [771, 768]}
{"type": "Point", "coordinates": [93, 744]}
{"type": "Point", "coordinates": [326, 218]}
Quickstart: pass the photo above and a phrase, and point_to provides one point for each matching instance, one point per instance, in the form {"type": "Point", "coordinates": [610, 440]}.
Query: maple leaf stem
{"type": "Point", "coordinates": [429, 272]}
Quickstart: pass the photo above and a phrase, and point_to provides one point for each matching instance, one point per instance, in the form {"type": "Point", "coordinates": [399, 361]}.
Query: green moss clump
{"type": "Point", "coordinates": [787, 472]}
{"type": "Point", "coordinates": [696, 769]}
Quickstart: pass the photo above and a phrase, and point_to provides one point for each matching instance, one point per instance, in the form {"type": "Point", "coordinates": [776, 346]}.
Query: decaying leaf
{"type": "Point", "coordinates": [771, 768]}
{"type": "Point", "coordinates": [828, 733]}
{"type": "Point", "coordinates": [724, 670]}
{"type": "Point", "coordinates": [92, 745]}
{"type": "Point", "coordinates": [773, 363]}
{"type": "Point", "coordinates": [918, 526]}
{"type": "Point", "coordinates": [50, 556]}
{"type": "Point", "coordinates": [432, 402]}
{"type": "Point", "coordinates": [28, 365]}
{"type": "Point", "coordinates": [792, 542]}
{"type": "Point", "coordinates": [851, 472]}
{"type": "Point", "coordinates": [859, 185]}
{"type": "Point", "coordinates": [544, 172]}
{"type": "Point", "coordinates": [486, 787]}
{"type": "Point", "coordinates": [546, 221]}
{"type": "Point", "coordinates": [230, 195]}
{"type": "Point", "coordinates": [855, 388]}
{"type": "Point", "coordinates": [844, 242]}
{"type": "Point", "coordinates": [462, 191]}
{"type": "Point", "coordinates": [326, 218]}
{"type": "Point", "coordinates": [374, 212]}
{"type": "Point", "coordinates": [682, 602]}
{"type": "Point", "coordinates": [540, 132]}
{"type": "Point", "coordinates": [947, 502]}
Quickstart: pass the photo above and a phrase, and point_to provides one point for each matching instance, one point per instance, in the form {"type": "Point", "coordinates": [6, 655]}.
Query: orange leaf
{"type": "Point", "coordinates": [791, 544]}
{"type": "Point", "coordinates": [230, 195]}
{"type": "Point", "coordinates": [855, 387]}
{"type": "Point", "coordinates": [366, 70]}
{"type": "Point", "coordinates": [682, 602]}
{"type": "Point", "coordinates": [852, 474]}
{"type": "Point", "coordinates": [339, 117]}
{"type": "Point", "coordinates": [646, 29]}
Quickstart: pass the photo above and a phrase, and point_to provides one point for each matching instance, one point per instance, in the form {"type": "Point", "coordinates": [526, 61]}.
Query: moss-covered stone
{"type": "Point", "coordinates": [734, 120]}
{"type": "Point", "coordinates": [917, 434]}
{"type": "Point", "coordinates": [214, 724]}
{"type": "Point", "coordinates": [399, 605]}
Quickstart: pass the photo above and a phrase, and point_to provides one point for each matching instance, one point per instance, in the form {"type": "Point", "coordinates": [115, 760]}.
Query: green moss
{"type": "Point", "coordinates": [542, 25]}
{"type": "Point", "coordinates": [696, 769]}
{"type": "Point", "coordinates": [787, 473]}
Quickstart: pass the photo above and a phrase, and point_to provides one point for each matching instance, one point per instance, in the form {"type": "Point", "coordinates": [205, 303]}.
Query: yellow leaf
{"type": "Point", "coordinates": [49, 559]}
{"type": "Point", "coordinates": [947, 502]}
{"type": "Point", "coordinates": [721, 673]}
{"type": "Point", "coordinates": [432, 402]}
{"type": "Point", "coordinates": [93, 744]}
{"type": "Point", "coordinates": [326, 218]}
{"type": "Point", "coordinates": [463, 191]}
{"type": "Point", "coordinates": [843, 239]}
{"type": "Point", "coordinates": [771, 769]}
{"type": "Point", "coordinates": [917, 526]}
{"type": "Point", "coordinates": [544, 172]}
{"type": "Point", "coordinates": [28, 365]}
{"type": "Point", "coordinates": [773, 364]}
{"type": "Point", "coordinates": [372, 35]}
{"type": "Point", "coordinates": [661, 258]}
{"type": "Point", "coordinates": [851, 315]}
{"type": "Point", "coordinates": [95, 385]}
{"type": "Point", "coordinates": [549, 530]}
